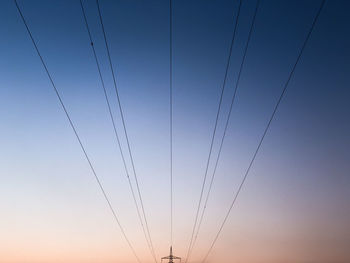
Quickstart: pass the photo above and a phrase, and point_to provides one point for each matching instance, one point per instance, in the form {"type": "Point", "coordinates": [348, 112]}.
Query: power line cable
{"type": "Point", "coordinates": [124, 125]}
{"type": "Point", "coordinates": [76, 134]}
{"type": "Point", "coordinates": [114, 128]}
{"type": "Point", "coordinates": [171, 117]}
{"type": "Point", "coordinates": [213, 137]}
{"type": "Point", "coordinates": [266, 129]}
{"type": "Point", "coordinates": [227, 119]}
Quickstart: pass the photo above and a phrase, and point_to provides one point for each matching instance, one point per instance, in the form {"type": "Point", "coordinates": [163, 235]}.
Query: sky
{"type": "Point", "coordinates": [294, 206]}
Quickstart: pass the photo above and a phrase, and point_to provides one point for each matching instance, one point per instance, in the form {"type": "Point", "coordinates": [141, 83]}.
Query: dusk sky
{"type": "Point", "coordinates": [295, 204]}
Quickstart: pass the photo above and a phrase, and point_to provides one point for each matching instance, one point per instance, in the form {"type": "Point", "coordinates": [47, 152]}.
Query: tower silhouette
{"type": "Point", "coordinates": [171, 257]}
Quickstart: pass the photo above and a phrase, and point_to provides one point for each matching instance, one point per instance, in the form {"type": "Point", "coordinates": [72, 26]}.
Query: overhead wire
{"type": "Point", "coordinates": [77, 135]}
{"type": "Point", "coordinates": [213, 134]}
{"type": "Point", "coordinates": [171, 116]}
{"type": "Point", "coordinates": [266, 128]}
{"type": "Point", "coordinates": [124, 125]}
{"type": "Point", "coordinates": [228, 118]}
{"type": "Point", "coordinates": [115, 129]}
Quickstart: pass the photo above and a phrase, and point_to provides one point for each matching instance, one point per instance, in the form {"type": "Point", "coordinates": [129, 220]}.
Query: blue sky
{"type": "Point", "coordinates": [296, 197]}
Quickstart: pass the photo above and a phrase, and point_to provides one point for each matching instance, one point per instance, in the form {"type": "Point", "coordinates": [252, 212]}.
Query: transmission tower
{"type": "Point", "coordinates": [171, 257]}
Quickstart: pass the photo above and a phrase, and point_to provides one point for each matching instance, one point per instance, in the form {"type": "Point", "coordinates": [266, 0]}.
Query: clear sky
{"type": "Point", "coordinates": [295, 204]}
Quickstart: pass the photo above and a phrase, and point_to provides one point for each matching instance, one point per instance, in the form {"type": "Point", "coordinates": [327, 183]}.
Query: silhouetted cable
{"type": "Point", "coordinates": [76, 134]}
{"type": "Point", "coordinates": [213, 135]}
{"type": "Point", "coordinates": [124, 125]}
{"type": "Point", "coordinates": [228, 118]}
{"type": "Point", "coordinates": [114, 128]}
{"type": "Point", "coordinates": [266, 129]}
{"type": "Point", "coordinates": [171, 117]}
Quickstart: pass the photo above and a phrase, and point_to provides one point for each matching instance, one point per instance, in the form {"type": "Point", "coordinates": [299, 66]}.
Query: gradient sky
{"type": "Point", "coordinates": [295, 204]}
